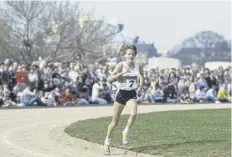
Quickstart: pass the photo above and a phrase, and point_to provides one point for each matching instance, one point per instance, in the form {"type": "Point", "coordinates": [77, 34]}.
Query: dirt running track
{"type": "Point", "coordinates": [40, 132]}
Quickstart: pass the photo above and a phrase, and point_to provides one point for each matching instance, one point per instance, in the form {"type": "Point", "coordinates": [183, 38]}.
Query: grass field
{"type": "Point", "coordinates": [191, 133]}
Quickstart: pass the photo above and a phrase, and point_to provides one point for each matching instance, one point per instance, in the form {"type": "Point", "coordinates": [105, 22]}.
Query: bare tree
{"type": "Point", "coordinates": [4, 37]}
{"type": "Point", "coordinates": [88, 37]}
{"type": "Point", "coordinates": [22, 18]}
{"type": "Point", "coordinates": [50, 30]}
{"type": "Point", "coordinates": [90, 40]}
{"type": "Point", "coordinates": [59, 27]}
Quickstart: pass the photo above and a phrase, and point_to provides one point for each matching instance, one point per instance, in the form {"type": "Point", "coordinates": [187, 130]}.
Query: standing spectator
{"type": "Point", "coordinates": [34, 76]}
{"type": "Point", "coordinates": [172, 85]}
{"type": "Point", "coordinates": [181, 86]}
{"type": "Point", "coordinates": [192, 87]}
{"type": "Point", "coordinates": [179, 74]}
{"type": "Point", "coordinates": [146, 75]}
{"type": "Point", "coordinates": [220, 75]}
{"type": "Point", "coordinates": [227, 74]}
{"type": "Point", "coordinates": [91, 74]}
{"type": "Point", "coordinates": [202, 82]}
{"type": "Point", "coordinates": [212, 81]}
{"type": "Point", "coordinates": [187, 71]}
{"type": "Point", "coordinates": [4, 75]}
{"type": "Point", "coordinates": [73, 75]}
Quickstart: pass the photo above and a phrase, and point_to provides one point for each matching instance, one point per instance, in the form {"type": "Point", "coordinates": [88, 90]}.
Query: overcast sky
{"type": "Point", "coordinates": [166, 23]}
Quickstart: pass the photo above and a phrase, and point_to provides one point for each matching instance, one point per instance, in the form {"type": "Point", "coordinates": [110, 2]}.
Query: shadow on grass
{"type": "Point", "coordinates": [166, 146]}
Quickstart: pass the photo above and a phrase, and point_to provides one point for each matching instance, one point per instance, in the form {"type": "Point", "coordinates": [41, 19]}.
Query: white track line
{"type": "Point", "coordinates": [16, 146]}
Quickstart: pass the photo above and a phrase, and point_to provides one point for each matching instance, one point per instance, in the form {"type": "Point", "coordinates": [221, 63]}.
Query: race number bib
{"type": "Point", "coordinates": [131, 83]}
{"type": "Point", "coordinates": [128, 82]}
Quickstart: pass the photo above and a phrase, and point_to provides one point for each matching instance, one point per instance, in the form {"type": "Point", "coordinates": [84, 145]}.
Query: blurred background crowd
{"type": "Point", "coordinates": [72, 83]}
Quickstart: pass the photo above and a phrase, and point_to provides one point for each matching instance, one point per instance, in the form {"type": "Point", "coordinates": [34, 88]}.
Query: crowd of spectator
{"type": "Point", "coordinates": [72, 83]}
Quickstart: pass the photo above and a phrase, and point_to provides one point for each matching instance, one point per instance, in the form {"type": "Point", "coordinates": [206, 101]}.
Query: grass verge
{"type": "Point", "coordinates": [190, 133]}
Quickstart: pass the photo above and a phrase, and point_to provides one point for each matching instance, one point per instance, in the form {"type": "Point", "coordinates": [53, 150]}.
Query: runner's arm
{"type": "Point", "coordinates": [116, 73]}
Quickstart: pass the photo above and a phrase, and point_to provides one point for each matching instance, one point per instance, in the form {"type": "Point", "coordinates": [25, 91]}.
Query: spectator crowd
{"type": "Point", "coordinates": [72, 83]}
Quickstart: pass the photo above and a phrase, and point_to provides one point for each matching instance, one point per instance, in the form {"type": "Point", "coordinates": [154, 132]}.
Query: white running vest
{"type": "Point", "coordinates": [130, 80]}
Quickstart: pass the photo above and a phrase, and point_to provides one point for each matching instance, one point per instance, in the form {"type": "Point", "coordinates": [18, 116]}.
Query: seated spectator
{"type": "Point", "coordinates": [212, 94]}
{"type": "Point", "coordinates": [96, 93]}
{"type": "Point", "coordinates": [56, 80]}
{"type": "Point", "coordinates": [228, 86]}
{"type": "Point", "coordinates": [223, 95]}
{"type": "Point", "coordinates": [83, 96]}
{"type": "Point", "coordinates": [53, 79]}
{"type": "Point", "coordinates": [105, 92]}
{"type": "Point", "coordinates": [184, 97]}
{"type": "Point", "coordinates": [89, 84]}
{"type": "Point", "coordinates": [200, 95]}
{"type": "Point", "coordinates": [57, 96]}
{"type": "Point", "coordinates": [67, 97]}
{"type": "Point", "coordinates": [1, 96]}
{"type": "Point", "coordinates": [113, 89]}
{"type": "Point", "coordinates": [146, 84]}
{"type": "Point", "coordinates": [6, 92]}
{"type": "Point", "coordinates": [161, 83]}
{"type": "Point", "coordinates": [153, 84]}
{"type": "Point", "coordinates": [142, 97]}
{"type": "Point", "coordinates": [47, 98]}
{"type": "Point", "coordinates": [29, 98]}
{"type": "Point", "coordinates": [80, 82]}
{"type": "Point", "coordinates": [149, 95]}
{"type": "Point", "coordinates": [1, 102]}
{"type": "Point", "coordinates": [8, 97]}
{"type": "Point", "coordinates": [158, 94]}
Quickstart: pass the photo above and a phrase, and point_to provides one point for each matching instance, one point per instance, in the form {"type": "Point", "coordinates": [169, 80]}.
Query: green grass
{"type": "Point", "coordinates": [191, 133]}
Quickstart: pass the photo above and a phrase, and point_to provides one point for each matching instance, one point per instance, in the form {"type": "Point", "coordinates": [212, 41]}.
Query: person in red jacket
{"type": "Point", "coordinates": [67, 97]}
